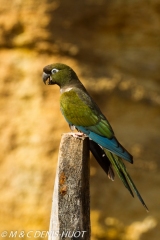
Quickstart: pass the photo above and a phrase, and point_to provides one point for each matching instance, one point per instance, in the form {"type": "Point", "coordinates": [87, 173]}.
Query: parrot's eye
{"type": "Point", "coordinates": [54, 70]}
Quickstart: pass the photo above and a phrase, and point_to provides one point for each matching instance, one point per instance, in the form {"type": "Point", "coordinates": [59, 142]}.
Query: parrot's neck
{"type": "Point", "coordinates": [68, 87]}
{"type": "Point", "coordinates": [62, 90]}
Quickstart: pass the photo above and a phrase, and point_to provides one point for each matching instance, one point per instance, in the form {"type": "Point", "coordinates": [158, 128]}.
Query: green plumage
{"type": "Point", "coordinates": [86, 114]}
{"type": "Point", "coordinates": [123, 174]}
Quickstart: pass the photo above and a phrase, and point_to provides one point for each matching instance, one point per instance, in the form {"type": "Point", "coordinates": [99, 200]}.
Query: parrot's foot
{"type": "Point", "coordinates": [77, 134]}
{"type": "Point", "coordinates": [72, 127]}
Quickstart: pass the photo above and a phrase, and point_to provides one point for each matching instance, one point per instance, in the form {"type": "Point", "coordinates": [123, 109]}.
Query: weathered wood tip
{"type": "Point", "coordinates": [70, 216]}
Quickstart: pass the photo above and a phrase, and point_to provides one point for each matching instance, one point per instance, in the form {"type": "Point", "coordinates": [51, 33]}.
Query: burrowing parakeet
{"type": "Point", "coordinates": [80, 111]}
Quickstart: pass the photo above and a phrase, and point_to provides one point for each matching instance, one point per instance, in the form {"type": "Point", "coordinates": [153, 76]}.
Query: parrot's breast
{"type": "Point", "coordinates": [76, 111]}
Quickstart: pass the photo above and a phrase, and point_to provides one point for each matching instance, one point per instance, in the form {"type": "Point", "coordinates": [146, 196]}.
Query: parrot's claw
{"type": "Point", "coordinates": [77, 134]}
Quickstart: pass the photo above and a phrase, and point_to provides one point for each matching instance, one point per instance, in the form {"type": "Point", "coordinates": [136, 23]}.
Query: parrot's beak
{"type": "Point", "coordinates": [45, 77]}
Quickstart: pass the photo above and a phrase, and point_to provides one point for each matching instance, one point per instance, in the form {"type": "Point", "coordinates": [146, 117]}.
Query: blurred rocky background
{"type": "Point", "coordinates": [114, 46]}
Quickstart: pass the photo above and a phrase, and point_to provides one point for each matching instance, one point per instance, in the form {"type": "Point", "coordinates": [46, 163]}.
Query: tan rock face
{"type": "Point", "coordinates": [114, 48]}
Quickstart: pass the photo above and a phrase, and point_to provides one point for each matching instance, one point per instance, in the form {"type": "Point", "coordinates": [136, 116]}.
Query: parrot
{"type": "Point", "coordinates": [83, 114]}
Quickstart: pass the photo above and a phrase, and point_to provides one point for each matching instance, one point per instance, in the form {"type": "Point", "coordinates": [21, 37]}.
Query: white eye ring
{"type": "Point", "coordinates": [54, 70]}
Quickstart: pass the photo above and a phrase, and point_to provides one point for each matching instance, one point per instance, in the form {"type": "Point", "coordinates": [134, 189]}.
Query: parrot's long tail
{"type": "Point", "coordinates": [121, 170]}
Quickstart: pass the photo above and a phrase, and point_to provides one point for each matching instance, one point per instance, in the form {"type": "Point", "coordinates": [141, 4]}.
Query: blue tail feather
{"type": "Point", "coordinates": [111, 144]}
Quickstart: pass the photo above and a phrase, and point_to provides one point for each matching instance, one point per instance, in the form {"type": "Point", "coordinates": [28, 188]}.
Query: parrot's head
{"type": "Point", "coordinates": [59, 74]}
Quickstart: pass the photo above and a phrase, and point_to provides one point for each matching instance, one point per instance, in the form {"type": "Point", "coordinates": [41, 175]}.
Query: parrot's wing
{"type": "Point", "coordinates": [80, 110]}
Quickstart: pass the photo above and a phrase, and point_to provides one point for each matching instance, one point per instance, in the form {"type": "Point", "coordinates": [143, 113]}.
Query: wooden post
{"type": "Point", "coordinates": [70, 216]}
